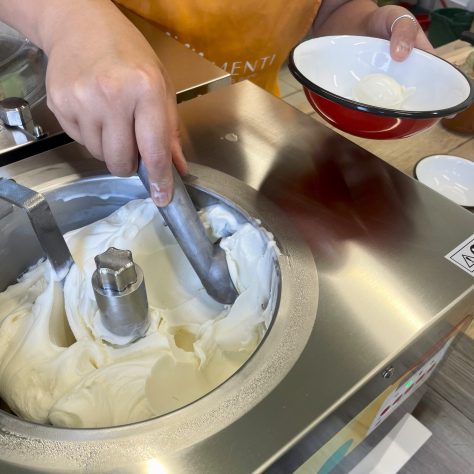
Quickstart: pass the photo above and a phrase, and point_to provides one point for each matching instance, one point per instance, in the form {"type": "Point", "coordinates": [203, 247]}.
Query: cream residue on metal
{"type": "Point", "coordinates": [58, 366]}
{"type": "Point", "coordinates": [231, 137]}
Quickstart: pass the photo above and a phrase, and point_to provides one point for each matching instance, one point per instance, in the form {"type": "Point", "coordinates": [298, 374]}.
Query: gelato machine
{"type": "Point", "coordinates": [370, 281]}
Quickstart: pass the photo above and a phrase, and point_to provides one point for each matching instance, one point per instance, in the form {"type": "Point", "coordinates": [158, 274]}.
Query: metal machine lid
{"type": "Point", "coordinates": [22, 67]}
{"type": "Point", "coordinates": [22, 87]}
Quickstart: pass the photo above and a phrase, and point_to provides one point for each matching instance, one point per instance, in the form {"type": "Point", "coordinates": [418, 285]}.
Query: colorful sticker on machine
{"type": "Point", "coordinates": [463, 255]}
{"type": "Point", "coordinates": [348, 438]}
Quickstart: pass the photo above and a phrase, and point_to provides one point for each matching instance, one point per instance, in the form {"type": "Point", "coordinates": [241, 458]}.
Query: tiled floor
{"type": "Point", "coordinates": [447, 409]}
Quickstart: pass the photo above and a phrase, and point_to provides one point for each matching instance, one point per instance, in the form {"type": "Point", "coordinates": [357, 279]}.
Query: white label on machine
{"type": "Point", "coordinates": [408, 386]}
{"type": "Point", "coordinates": [463, 255]}
{"type": "Point", "coordinates": [396, 449]}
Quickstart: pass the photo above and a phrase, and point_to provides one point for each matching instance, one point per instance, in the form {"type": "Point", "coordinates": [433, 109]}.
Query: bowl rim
{"type": "Point", "coordinates": [372, 109]}
{"type": "Point", "coordinates": [448, 157]}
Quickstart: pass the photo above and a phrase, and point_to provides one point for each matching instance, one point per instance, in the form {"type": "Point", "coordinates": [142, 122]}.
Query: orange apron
{"type": "Point", "coordinates": [250, 39]}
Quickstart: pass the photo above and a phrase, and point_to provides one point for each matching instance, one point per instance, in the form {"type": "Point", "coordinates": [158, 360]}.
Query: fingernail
{"type": "Point", "coordinates": [160, 195]}
{"type": "Point", "coordinates": [402, 47]}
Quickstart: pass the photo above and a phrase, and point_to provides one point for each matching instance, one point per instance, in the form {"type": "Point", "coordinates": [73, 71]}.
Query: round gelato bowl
{"type": "Point", "coordinates": [355, 85]}
{"type": "Point", "coordinates": [79, 198]}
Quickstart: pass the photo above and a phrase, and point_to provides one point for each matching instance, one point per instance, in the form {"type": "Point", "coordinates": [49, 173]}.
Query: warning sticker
{"type": "Point", "coordinates": [463, 255]}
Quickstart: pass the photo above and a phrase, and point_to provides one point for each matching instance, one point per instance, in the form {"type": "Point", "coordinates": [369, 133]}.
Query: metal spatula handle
{"type": "Point", "coordinates": [207, 259]}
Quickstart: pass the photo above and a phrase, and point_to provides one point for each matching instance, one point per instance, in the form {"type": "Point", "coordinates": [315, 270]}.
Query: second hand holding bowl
{"type": "Point", "coordinates": [330, 67]}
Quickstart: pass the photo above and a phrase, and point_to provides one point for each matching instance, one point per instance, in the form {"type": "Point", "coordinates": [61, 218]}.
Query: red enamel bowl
{"type": "Point", "coordinates": [330, 69]}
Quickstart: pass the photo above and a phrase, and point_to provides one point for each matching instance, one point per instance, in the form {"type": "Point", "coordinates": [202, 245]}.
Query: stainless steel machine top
{"type": "Point", "coordinates": [387, 281]}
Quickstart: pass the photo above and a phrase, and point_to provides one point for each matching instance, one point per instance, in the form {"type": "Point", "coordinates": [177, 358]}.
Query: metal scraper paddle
{"type": "Point", "coordinates": [207, 259]}
{"type": "Point", "coordinates": [42, 220]}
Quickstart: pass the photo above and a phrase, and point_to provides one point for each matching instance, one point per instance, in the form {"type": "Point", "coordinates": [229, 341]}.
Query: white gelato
{"type": "Point", "coordinates": [55, 366]}
{"type": "Point", "coordinates": [381, 90]}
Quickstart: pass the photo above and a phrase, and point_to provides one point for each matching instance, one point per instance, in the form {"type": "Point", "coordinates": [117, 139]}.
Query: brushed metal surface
{"type": "Point", "coordinates": [378, 237]}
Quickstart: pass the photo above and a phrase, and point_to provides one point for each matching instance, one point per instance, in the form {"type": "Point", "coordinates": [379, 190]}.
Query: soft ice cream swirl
{"type": "Point", "coordinates": [56, 365]}
{"type": "Point", "coordinates": [381, 90]}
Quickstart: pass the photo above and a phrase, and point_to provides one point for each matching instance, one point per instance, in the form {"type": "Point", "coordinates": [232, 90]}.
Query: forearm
{"type": "Point", "coordinates": [351, 17]}
{"type": "Point", "coordinates": [46, 21]}
{"type": "Point", "coordinates": [365, 18]}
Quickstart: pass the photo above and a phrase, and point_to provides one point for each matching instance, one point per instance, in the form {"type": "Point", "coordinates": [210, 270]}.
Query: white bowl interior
{"type": "Point", "coordinates": [451, 176]}
{"type": "Point", "coordinates": [337, 63]}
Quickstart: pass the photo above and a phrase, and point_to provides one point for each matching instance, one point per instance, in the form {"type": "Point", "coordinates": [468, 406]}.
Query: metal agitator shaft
{"type": "Point", "coordinates": [118, 283]}
{"type": "Point", "coordinates": [119, 289]}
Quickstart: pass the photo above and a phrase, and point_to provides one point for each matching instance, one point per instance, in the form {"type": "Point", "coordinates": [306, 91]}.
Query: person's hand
{"type": "Point", "coordinates": [110, 93]}
{"type": "Point", "coordinates": [364, 17]}
{"type": "Point", "coordinates": [400, 26]}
